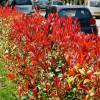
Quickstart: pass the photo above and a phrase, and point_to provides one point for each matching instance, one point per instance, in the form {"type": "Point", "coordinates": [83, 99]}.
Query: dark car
{"type": "Point", "coordinates": [87, 21]}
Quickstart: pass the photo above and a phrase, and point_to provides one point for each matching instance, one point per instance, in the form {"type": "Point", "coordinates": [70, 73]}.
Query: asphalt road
{"type": "Point", "coordinates": [98, 25]}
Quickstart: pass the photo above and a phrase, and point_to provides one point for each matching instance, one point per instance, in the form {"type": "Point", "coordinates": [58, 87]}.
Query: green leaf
{"type": "Point", "coordinates": [97, 73]}
{"type": "Point", "coordinates": [1, 64]}
{"type": "Point", "coordinates": [86, 81]}
{"type": "Point", "coordinates": [82, 71]}
{"type": "Point", "coordinates": [92, 92]}
{"type": "Point", "coordinates": [70, 79]}
{"type": "Point", "coordinates": [26, 97]}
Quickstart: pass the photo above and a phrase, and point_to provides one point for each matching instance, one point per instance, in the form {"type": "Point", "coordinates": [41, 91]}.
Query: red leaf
{"type": "Point", "coordinates": [11, 76]}
{"type": "Point", "coordinates": [72, 72]}
{"type": "Point", "coordinates": [58, 83]}
{"type": "Point", "coordinates": [35, 91]}
{"type": "Point", "coordinates": [80, 86]}
{"type": "Point", "coordinates": [47, 86]}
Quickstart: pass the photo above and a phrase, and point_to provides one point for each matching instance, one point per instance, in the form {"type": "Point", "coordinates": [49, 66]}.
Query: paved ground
{"type": "Point", "coordinates": [98, 24]}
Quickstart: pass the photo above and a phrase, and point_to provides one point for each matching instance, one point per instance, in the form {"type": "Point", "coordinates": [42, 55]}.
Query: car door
{"type": "Point", "coordinates": [84, 17]}
{"type": "Point", "coordinates": [24, 6]}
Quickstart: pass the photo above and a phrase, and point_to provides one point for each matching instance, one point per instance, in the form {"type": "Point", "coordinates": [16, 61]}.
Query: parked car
{"type": "Point", "coordinates": [87, 21]}
{"type": "Point", "coordinates": [57, 2]}
{"type": "Point", "coordinates": [41, 4]}
{"type": "Point", "coordinates": [94, 6]}
{"type": "Point", "coordinates": [24, 6]}
{"type": "Point", "coordinates": [3, 2]}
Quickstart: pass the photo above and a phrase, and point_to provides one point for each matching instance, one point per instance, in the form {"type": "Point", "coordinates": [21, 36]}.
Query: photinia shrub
{"type": "Point", "coordinates": [7, 17]}
{"type": "Point", "coordinates": [52, 60]}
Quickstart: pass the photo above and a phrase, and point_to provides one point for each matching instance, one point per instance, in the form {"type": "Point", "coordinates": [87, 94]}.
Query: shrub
{"type": "Point", "coordinates": [7, 88]}
{"type": "Point", "coordinates": [51, 59]}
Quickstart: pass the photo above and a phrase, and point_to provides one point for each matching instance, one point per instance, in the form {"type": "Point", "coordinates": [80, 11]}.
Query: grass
{"type": "Point", "coordinates": [7, 87]}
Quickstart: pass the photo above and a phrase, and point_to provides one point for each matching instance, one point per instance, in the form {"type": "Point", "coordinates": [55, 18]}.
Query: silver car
{"type": "Point", "coordinates": [94, 7]}
{"type": "Point", "coordinates": [24, 6]}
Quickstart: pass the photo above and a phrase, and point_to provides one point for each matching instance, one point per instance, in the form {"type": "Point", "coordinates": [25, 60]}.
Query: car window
{"type": "Point", "coordinates": [23, 2]}
{"type": "Point", "coordinates": [67, 13]}
{"type": "Point", "coordinates": [95, 3]}
{"type": "Point", "coordinates": [80, 13]}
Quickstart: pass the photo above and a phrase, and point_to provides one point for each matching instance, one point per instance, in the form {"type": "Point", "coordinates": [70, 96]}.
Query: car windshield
{"type": "Point", "coordinates": [79, 13]}
{"type": "Point", "coordinates": [95, 3]}
{"type": "Point", "coordinates": [23, 2]}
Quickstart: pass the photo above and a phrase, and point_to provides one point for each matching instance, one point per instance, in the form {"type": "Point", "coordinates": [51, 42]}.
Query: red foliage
{"type": "Point", "coordinates": [53, 54]}
{"type": "Point", "coordinates": [11, 76]}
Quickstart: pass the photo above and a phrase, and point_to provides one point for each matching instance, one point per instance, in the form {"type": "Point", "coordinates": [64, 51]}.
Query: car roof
{"type": "Point", "coordinates": [69, 6]}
